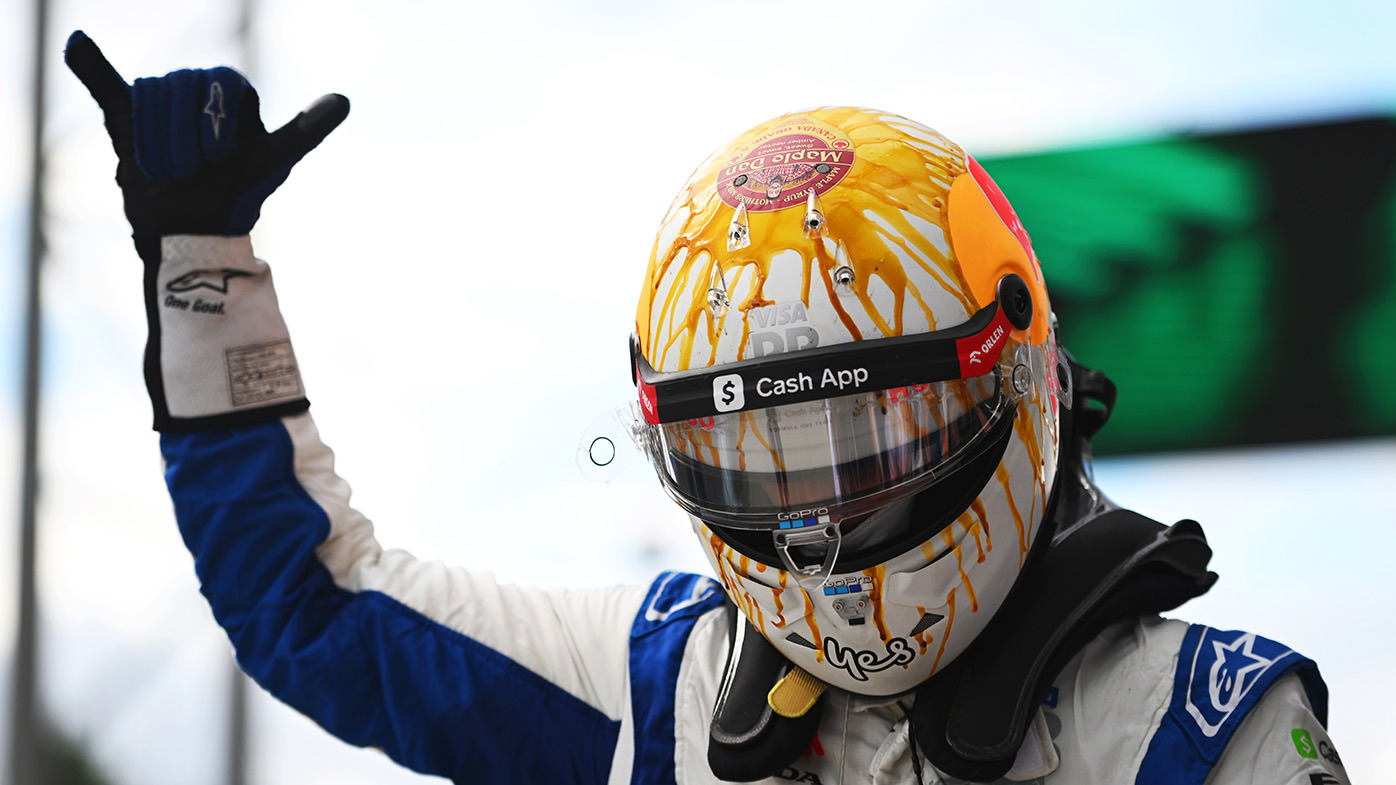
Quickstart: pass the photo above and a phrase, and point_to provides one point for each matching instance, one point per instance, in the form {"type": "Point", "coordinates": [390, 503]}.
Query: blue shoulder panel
{"type": "Point", "coordinates": [1221, 675]}
{"type": "Point", "coordinates": [673, 605]}
{"type": "Point", "coordinates": [364, 666]}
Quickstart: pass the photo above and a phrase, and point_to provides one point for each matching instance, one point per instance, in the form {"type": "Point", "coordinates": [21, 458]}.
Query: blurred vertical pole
{"type": "Point", "coordinates": [237, 728]}
{"type": "Point", "coordinates": [26, 728]}
{"type": "Point", "coordinates": [237, 682]}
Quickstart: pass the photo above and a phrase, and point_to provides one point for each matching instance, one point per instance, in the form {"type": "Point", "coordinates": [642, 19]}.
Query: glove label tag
{"type": "Point", "coordinates": [258, 374]}
{"type": "Point", "coordinates": [223, 345]}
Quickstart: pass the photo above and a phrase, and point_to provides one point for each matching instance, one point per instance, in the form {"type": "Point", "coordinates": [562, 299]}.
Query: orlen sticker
{"type": "Point", "coordinates": [649, 403]}
{"type": "Point", "coordinates": [979, 352]}
{"type": "Point", "coordinates": [779, 167]}
{"type": "Point", "coordinates": [1000, 203]}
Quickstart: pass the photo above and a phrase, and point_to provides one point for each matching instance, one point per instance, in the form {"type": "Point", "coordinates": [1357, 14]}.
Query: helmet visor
{"type": "Point", "coordinates": [800, 463]}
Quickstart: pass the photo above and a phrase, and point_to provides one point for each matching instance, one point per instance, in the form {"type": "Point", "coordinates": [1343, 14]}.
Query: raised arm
{"type": "Point", "coordinates": [445, 670]}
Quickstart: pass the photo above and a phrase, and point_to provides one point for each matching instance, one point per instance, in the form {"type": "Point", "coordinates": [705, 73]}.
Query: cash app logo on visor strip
{"type": "Point", "coordinates": [729, 395]}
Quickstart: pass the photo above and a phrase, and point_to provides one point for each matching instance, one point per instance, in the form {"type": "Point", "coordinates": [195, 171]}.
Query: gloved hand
{"type": "Point", "coordinates": [193, 155]}
{"type": "Point", "coordinates": [195, 163]}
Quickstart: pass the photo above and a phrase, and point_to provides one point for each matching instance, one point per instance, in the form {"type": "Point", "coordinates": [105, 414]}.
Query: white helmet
{"type": "Point", "coordinates": [847, 378]}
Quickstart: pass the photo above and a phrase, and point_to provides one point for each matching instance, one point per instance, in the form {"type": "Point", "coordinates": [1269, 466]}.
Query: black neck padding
{"type": "Point", "coordinates": [1093, 564]}
{"type": "Point", "coordinates": [747, 740]}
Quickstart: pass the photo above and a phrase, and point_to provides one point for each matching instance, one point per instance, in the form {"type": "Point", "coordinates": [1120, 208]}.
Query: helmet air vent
{"type": "Point", "coordinates": [738, 232]}
{"type": "Point", "coordinates": [843, 275]}
{"type": "Point", "coordinates": [927, 620]}
{"type": "Point", "coordinates": [718, 300]}
{"type": "Point", "coordinates": [814, 222]}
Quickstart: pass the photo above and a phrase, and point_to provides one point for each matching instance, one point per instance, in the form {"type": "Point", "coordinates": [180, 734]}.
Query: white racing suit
{"type": "Point", "coordinates": [451, 674]}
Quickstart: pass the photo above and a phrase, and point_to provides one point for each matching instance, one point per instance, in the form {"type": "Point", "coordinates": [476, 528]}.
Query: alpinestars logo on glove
{"type": "Point", "coordinates": [215, 280]}
{"type": "Point", "coordinates": [214, 109]}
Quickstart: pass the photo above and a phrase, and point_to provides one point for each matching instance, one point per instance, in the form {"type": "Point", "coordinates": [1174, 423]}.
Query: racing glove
{"type": "Point", "coordinates": [194, 164]}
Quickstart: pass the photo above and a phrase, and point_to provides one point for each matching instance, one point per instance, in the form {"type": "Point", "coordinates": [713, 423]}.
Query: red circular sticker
{"type": "Point", "coordinates": [779, 167]}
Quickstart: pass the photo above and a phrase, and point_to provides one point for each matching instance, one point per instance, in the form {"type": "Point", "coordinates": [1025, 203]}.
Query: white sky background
{"type": "Point", "coordinates": [459, 264]}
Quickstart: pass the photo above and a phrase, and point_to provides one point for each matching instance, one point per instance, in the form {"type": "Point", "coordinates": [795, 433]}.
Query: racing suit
{"type": "Point", "coordinates": [452, 674]}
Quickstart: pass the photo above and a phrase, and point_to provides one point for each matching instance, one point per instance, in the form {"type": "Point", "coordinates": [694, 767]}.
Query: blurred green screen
{"type": "Point", "coordinates": [1239, 288]}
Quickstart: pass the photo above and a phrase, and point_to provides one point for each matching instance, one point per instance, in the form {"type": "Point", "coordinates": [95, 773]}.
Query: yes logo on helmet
{"type": "Point", "coordinates": [860, 663]}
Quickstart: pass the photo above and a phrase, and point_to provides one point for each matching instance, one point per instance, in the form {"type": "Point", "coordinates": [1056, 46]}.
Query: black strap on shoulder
{"type": "Point", "coordinates": [1102, 564]}
{"type": "Point", "coordinates": [971, 718]}
{"type": "Point", "coordinates": [748, 740]}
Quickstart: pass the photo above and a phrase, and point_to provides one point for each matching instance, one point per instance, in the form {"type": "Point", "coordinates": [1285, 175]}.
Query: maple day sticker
{"type": "Point", "coordinates": [778, 167]}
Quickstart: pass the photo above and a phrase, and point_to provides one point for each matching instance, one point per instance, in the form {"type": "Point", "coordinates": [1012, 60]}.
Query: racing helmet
{"type": "Point", "coordinates": [847, 377]}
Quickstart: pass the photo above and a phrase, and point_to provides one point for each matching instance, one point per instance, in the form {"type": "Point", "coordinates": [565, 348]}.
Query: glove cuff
{"type": "Point", "coordinates": [219, 353]}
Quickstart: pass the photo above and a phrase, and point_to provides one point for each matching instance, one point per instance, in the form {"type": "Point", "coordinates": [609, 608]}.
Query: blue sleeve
{"type": "Point", "coordinates": [1220, 677]}
{"type": "Point", "coordinates": [657, 642]}
{"type": "Point", "coordinates": [361, 663]}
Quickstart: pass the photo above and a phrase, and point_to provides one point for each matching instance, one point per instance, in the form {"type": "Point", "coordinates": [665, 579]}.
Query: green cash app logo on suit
{"type": "Point", "coordinates": [1304, 743]}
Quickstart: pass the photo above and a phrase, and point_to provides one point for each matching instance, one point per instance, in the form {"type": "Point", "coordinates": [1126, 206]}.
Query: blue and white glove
{"type": "Point", "coordinates": [195, 163]}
